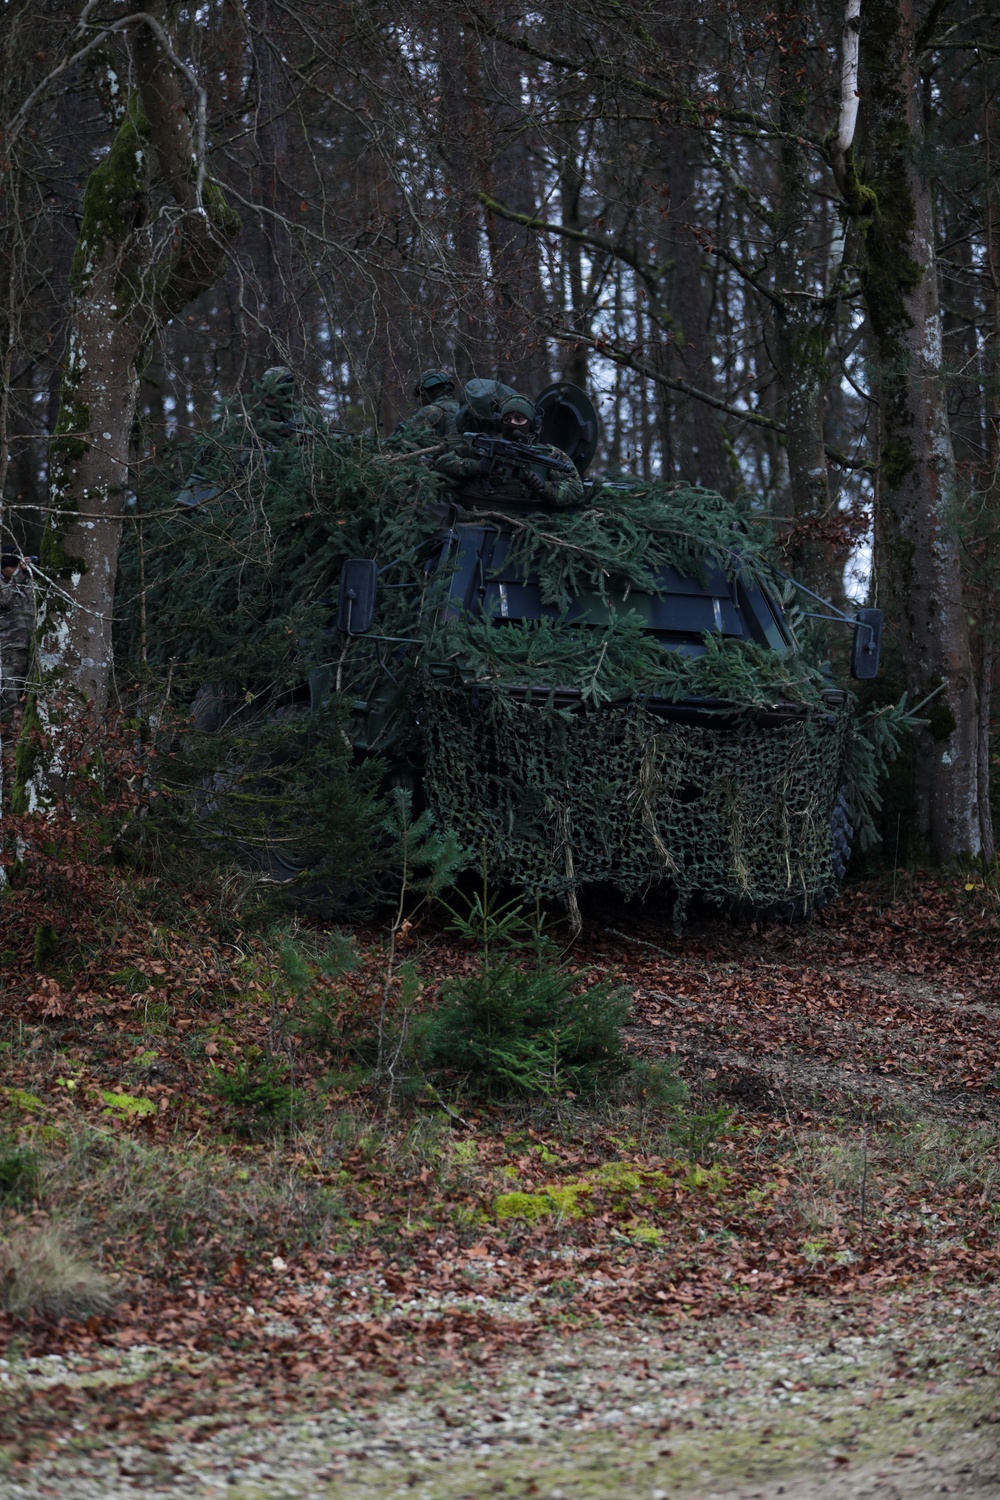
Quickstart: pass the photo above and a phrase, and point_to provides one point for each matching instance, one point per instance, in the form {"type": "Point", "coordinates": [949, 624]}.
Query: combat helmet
{"type": "Point", "coordinates": [431, 381]}
{"type": "Point", "coordinates": [278, 380]}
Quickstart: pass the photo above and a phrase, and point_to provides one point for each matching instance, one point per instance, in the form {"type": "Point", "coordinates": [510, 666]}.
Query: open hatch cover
{"type": "Point", "coordinates": [569, 421]}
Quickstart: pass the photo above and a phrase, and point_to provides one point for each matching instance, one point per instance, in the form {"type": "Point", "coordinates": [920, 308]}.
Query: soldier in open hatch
{"type": "Point", "coordinates": [438, 410]}
{"type": "Point", "coordinates": [486, 468]}
{"type": "Point", "coordinates": [279, 400]}
{"type": "Point", "coordinates": [17, 621]}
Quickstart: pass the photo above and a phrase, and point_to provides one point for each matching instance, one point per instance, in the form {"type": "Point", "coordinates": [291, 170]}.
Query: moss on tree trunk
{"type": "Point", "coordinates": [121, 289]}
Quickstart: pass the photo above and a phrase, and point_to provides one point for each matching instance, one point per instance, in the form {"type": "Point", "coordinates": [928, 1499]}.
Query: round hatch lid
{"type": "Point", "coordinates": [568, 421]}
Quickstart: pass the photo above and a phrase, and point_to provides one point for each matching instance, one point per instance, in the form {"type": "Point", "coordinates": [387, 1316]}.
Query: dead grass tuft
{"type": "Point", "coordinates": [119, 1190]}
{"type": "Point", "coordinates": [39, 1275]}
{"type": "Point", "coordinates": [896, 1165]}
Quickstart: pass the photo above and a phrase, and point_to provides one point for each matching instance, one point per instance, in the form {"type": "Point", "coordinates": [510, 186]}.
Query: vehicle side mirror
{"type": "Point", "coordinates": [866, 651]}
{"type": "Point", "coordinates": [356, 601]}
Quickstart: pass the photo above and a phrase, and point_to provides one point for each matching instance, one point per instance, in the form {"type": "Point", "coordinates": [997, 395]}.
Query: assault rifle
{"type": "Point", "coordinates": [522, 454]}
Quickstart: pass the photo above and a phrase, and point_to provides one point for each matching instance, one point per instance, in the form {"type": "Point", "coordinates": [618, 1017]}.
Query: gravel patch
{"type": "Point", "coordinates": [891, 1398]}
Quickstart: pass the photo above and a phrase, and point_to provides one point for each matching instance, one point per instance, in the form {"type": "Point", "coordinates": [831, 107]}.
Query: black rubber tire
{"type": "Point", "coordinates": [280, 864]}
{"type": "Point", "coordinates": [210, 711]}
{"type": "Point", "coordinates": [842, 836]}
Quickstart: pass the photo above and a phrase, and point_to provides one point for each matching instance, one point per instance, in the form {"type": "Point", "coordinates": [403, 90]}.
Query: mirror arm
{"type": "Point", "coordinates": [401, 640]}
{"type": "Point", "coordinates": [837, 619]}
{"type": "Point", "coordinates": [810, 614]}
{"type": "Point", "coordinates": [836, 614]}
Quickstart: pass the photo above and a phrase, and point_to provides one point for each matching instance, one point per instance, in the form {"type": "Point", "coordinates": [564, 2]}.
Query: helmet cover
{"type": "Point", "coordinates": [431, 380]}
{"type": "Point", "coordinates": [278, 378]}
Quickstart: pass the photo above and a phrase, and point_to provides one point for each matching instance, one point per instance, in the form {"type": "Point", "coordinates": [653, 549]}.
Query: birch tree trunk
{"type": "Point", "coordinates": [130, 271]}
{"type": "Point", "coordinates": [917, 543]}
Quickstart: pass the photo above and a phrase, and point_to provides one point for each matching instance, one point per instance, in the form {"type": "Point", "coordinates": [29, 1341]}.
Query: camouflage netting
{"type": "Point", "coordinates": [559, 801]}
{"type": "Point", "coordinates": [238, 592]}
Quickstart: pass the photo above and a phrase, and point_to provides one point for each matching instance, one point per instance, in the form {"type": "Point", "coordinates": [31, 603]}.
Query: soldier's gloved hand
{"type": "Point", "coordinates": [534, 482]}
{"type": "Point", "coordinates": [485, 465]}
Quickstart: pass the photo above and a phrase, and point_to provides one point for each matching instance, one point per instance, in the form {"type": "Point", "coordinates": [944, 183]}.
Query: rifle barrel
{"type": "Point", "coordinates": [519, 453]}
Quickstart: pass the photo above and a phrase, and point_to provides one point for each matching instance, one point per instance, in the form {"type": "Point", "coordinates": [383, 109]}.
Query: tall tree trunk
{"type": "Point", "coordinates": [280, 285]}
{"type": "Point", "coordinates": [917, 545]}
{"type": "Point", "coordinates": [690, 315]}
{"type": "Point", "coordinates": [576, 359]}
{"type": "Point", "coordinates": [89, 451]}
{"type": "Point", "coordinates": [991, 497]}
{"type": "Point", "coordinates": [459, 119]}
{"type": "Point", "coordinates": [120, 290]}
{"type": "Point", "coordinates": [521, 353]}
{"type": "Point", "coordinates": [802, 325]}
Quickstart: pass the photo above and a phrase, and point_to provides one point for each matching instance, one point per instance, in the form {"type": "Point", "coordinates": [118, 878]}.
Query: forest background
{"type": "Point", "coordinates": [249, 1167]}
{"type": "Point", "coordinates": [763, 237]}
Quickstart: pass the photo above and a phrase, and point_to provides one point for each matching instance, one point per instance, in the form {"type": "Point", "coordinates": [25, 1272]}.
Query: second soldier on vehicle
{"type": "Point", "coordinates": [437, 414]}
{"type": "Point", "coordinates": [544, 473]}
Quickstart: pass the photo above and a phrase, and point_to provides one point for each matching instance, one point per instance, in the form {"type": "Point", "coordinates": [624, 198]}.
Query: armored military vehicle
{"type": "Point", "coordinates": [613, 694]}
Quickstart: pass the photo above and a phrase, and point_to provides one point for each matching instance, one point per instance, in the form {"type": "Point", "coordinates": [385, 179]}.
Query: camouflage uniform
{"type": "Point", "coordinates": [438, 412]}
{"type": "Point", "coordinates": [484, 479]}
{"type": "Point", "coordinates": [437, 420]}
{"type": "Point", "coordinates": [17, 622]}
{"type": "Point", "coordinates": [481, 478]}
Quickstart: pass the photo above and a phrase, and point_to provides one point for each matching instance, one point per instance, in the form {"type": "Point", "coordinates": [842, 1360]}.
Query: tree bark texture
{"type": "Point", "coordinates": [90, 446]}
{"type": "Point", "coordinates": [460, 124]}
{"type": "Point", "coordinates": [282, 286]}
{"type": "Point", "coordinates": [802, 326]}
{"type": "Point", "coordinates": [123, 284]}
{"type": "Point", "coordinates": [916, 535]}
{"type": "Point", "coordinates": [691, 330]}
{"type": "Point", "coordinates": [576, 360]}
{"type": "Point", "coordinates": [521, 353]}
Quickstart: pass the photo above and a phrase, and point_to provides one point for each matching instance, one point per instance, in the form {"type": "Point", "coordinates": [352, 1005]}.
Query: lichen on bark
{"type": "Point", "coordinates": [122, 288]}
{"type": "Point", "coordinates": [116, 182]}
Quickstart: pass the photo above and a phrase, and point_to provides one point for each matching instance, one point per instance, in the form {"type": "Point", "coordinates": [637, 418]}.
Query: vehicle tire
{"type": "Point", "coordinates": [842, 836]}
{"type": "Point", "coordinates": [274, 851]}
{"type": "Point", "coordinates": [211, 711]}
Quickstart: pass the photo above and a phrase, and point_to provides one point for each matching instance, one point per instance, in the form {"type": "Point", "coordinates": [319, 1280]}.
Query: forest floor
{"type": "Point", "coordinates": [786, 1286]}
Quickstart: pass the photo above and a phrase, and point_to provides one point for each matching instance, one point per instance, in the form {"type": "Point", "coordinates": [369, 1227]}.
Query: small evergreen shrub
{"type": "Point", "coordinates": [521, 1026]}
{"type": "Point", "coordinates": [324, 1013]}
{"type": "Point", "coordinates": [696, 1133]}
{"type": "Point", "coordinates": [259, 1097]}
{"type": "Point", "coordinates": [656, 1085]}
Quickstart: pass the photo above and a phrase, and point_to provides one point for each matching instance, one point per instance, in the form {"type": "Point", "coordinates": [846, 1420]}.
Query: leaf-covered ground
{"type": "Point", "coordinates": [519, 1294]}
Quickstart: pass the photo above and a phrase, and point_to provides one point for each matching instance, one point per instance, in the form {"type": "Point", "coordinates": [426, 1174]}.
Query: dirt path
{"type": "Point", "coordinates": [817, 1017]}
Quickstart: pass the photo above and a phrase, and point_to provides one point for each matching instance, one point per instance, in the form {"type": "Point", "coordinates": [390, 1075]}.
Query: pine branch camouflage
{"type": "Point", "coordinates": [532, 740]}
